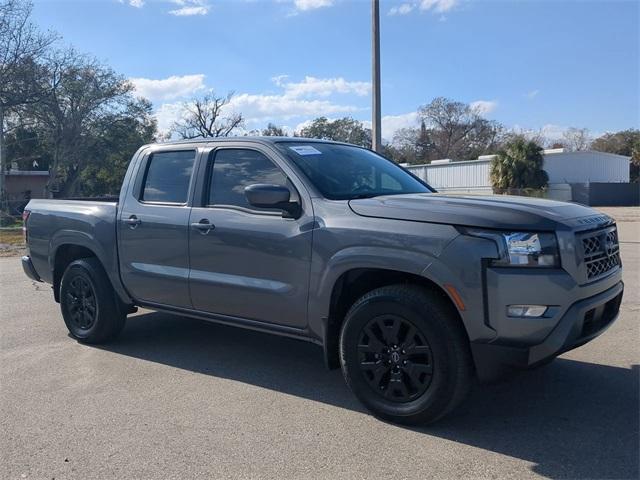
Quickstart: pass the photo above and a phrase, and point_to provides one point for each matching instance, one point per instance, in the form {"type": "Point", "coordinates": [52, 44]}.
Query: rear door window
{"type": "Point", "coordinates": [168, 176]}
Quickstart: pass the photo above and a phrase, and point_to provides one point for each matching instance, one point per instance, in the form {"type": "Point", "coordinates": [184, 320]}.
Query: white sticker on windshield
{"type": "Point", "coordinates": [305, 150]}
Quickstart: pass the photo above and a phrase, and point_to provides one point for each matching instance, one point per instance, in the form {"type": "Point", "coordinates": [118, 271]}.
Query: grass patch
{"type": "Point", "coordinates": [12, 237]}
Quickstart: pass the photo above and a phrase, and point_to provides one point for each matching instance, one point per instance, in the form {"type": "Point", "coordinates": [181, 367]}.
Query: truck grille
{"type": "Point", "coordinates": [601, 252]}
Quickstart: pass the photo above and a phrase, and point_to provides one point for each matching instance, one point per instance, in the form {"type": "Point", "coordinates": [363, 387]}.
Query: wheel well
{"type": "Point", "coordinates": [65, 254]}
{"type": "Point", "coordinates": [352, 285]}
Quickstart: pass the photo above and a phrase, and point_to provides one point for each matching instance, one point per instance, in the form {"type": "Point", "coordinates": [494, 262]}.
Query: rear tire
{"type": "Point", "coordinates": [405, 355]}
{"type": "Point", "coordinates": [90, 307]}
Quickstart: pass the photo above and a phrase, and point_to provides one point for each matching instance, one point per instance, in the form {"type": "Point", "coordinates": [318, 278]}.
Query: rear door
{"type": "Point", "coordinates": [251, 263]}
{"type": "Point", "coordinates": [153, 227]}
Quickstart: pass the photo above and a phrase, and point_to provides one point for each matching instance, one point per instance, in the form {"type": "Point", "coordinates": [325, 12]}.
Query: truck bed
{"type": "Point", "coordinates": [55, 224]}
{"type": "Point", "coordinates": [105, 198]}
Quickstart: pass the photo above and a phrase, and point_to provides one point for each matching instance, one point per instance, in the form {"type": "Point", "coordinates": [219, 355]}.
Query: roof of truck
{"type": "Point", "coordinates": [256, 139]}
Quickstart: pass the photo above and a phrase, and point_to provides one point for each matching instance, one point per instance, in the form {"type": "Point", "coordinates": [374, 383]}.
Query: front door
{"type": "Point", "coordinates": [248, 262]}
{"type": "Point", "coordinates": [154, 229]}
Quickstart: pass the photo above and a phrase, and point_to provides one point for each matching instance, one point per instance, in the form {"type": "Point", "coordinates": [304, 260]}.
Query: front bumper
{"type": "Point", "coordinates": [29, 269]}
{"type": "Point", "coordinates": [583, 321]}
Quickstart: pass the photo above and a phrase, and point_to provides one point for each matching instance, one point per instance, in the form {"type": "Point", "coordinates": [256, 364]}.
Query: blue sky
{"type": "Point", "coordinates": [529, 64]}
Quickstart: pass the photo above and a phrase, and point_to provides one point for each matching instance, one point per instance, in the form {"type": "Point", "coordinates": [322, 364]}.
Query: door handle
{"type": "Point", "coordinates": [203, 226]}
{"type": "Point", "coordinates": [132, 222]}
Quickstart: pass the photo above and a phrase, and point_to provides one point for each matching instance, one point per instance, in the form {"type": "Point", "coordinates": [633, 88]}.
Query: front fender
{"type": "Point", "coordinates": [351, 258]}
{"type": "Point", "coordinates": [460, 266]}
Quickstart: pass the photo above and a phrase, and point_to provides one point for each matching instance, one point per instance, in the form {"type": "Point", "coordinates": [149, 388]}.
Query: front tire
{"type": "Point", "coordinates": [405, 355]}
{"type": "Point", "coordinates": [89, 304]}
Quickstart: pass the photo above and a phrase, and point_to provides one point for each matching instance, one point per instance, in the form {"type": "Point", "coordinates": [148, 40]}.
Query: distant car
{"type": "Point", "coordinates": [411, 292]}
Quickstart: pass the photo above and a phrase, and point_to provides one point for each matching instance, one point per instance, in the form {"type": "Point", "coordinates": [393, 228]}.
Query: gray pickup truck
{"type": "Point", "coordinates": [414, 294]}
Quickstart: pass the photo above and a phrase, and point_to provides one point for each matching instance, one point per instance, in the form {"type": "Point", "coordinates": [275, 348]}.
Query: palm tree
{"type": "Point", "coordinates": [518, 165]}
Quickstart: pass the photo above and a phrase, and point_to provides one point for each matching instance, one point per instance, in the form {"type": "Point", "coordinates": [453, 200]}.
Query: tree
{"type": "Point", "coordinates": [273, 131]}
{"type": "Point", "coordinates": [413, 145]}
{"type": "Point", "coordinates": [204, 117]}
{"type": "Point", "coordinates": [625, 142]}
{"type": "Point", "coordinates": [518, 165]}
{"type": "Point", "coordinates": [26, 146]}
{"type": "Point", "coordinates": [116, 137]}
{"type": "Point", "coordinates": [81, 94]}
{"type": "Point", "coordinates": [68, 112]}
{"type": "Point", "coordinates": [456, 130]}
{"type": "Point", "coordinates": [576, 139]}
{"type": "Point", "coordinates": [341, 130]}
{"type": "Point", "coordinates": [424, 144]}
{"type": "Point", "coordinates": [21, 47]}
{"type": "Point", "coordinates": [404, 147]}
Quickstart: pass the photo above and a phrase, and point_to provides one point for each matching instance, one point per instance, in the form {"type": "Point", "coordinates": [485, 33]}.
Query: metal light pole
{"type": "Point", "coordinates": [3, 194]}
{"type": "Point", "coordinates": [376, 120]}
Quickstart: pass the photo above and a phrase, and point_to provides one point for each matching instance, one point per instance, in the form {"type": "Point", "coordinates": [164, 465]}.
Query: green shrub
{"type": "Point", "coordinates": [518, 166]}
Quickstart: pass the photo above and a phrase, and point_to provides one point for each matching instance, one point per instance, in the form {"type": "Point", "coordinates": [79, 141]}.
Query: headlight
{"type": "Point", "coordinates": [522, 249]}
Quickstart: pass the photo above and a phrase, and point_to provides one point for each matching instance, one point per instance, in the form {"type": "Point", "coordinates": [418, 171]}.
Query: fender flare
{"type": "Point", "coordinates": [108, 260]}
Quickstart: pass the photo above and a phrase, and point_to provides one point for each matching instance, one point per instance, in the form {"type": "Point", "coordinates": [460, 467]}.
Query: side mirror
{"type": "Point", "coordinates": [264, 195]}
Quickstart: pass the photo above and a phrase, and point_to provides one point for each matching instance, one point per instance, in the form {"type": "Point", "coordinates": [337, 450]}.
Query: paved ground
{"type": "Point", "coordinates": [179, 398]}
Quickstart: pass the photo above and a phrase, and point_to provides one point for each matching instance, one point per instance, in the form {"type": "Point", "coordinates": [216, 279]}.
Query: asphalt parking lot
{"type": "Point", "coordinates": [180, 398]}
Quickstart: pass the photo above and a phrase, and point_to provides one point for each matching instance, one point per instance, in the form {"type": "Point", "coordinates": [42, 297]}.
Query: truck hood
{"type": "Point", "coordinates": [495, 211]}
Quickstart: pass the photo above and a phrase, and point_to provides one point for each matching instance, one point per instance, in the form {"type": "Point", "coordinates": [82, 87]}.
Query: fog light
{"type": "Point", "coordinates": [528, 311]}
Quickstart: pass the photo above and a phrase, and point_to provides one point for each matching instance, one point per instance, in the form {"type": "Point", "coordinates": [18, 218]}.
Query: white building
{"type": "Point", "coordinates": [564, 169]}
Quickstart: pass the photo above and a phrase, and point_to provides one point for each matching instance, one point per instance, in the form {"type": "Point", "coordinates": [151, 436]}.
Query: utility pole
{"type": "Point", "coordinates": [376, 120]}
{"type": "Point", "coordinates": [3, 160]}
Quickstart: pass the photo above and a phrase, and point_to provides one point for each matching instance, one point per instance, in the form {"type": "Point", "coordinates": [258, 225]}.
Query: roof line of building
{"type": "Point", "coordinates": [488, 158]}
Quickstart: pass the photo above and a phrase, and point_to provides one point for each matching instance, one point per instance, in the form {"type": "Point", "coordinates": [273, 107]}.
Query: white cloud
{"type": "Point", "coordinates": [189, 11]}
{"type": "Point", "coordinates": [133, 3]}
{"type": "Point", "coordinates": [305, 99]}
{"type": "Point", "coordinates": [402, 9]}
{"type": "Point", "coordinates": [169, 88]}
{"type": "Point", "coordinates": [484, 106]}
{"type": "Point", "coordinates": [259, 109]}
{"type": "Point", "coordinates": [299, 99]}
{"type": "Point", "coordinates": [190, 7]}
{"type": "Point", "coordinates": [271, 107]}
{"type": "Point", "coordinates": [279, 79]}
{"type": "Point", "coordinates": [304, 5]}
{"type": "Point", "coordinates": [438, 6]}
{"type": "Point", "coordinates": [321, 87]}
{"type": "Point", "coordinates": [532, 94]}
{"type": "Point", "coordinates": [305, 124]}
{"type": "Point", "coordinates": [168, 113]}
{"type": "Point", "coordinates": [392, 123]}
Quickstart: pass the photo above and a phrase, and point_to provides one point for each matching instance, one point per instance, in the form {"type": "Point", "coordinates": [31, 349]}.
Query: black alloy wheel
{"type": "Point", "coordinates": [81, 299]}
{"type": "Point", "coordinates": [395, 358]}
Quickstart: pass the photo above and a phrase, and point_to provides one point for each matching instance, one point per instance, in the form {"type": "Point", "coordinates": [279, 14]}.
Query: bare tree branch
{"type": "Point", "coordinates": [205, 117]}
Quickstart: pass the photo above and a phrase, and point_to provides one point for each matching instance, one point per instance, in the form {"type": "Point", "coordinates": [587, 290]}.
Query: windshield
{"type": "Point", "coordinates": [343, 172]}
